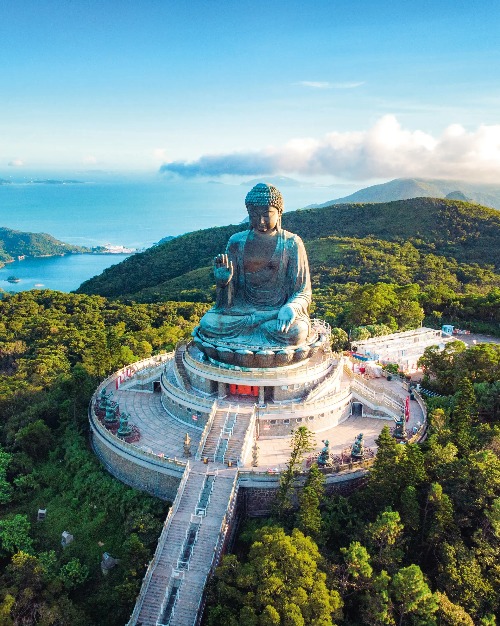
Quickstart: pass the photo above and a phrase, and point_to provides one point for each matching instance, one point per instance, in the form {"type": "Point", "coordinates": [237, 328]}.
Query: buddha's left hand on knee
{"type": "Point", "coordinates": [286, 317]}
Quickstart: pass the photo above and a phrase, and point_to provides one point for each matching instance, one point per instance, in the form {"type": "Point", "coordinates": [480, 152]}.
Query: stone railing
{"type": "Point", "coordinates": [291, 372]}
{"type": "Point", "coordinates": [223, 530]}
{"type": "Point", "coordinates": [141, 371]}
{"type": "Point", "coordinates": [301, 409]}
{"type": "Point", "coordinates": [380, 399]}
{"type": "Point", "coordinates": [131, 449]}
{"type": "Point", "coordinates": [273, 476]}
{"type": "Point", "coordinates": [159, 549]}
{"type": "Point", "coordinates": [420, 434]}
{"type": "Point", "coordinates": [206, 430]}
{"type": "Point", "coordinates": [248, 442]}
{"type": "Point", "coordinates": [115, 441]}
{"type": "Point", "coordinates": [331, 379]}
{"type": "Point", "coordinates": [185, 397]}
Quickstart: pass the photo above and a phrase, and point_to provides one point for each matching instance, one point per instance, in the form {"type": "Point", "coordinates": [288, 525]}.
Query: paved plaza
{"type": "Point", "coordinates": [163, 434]}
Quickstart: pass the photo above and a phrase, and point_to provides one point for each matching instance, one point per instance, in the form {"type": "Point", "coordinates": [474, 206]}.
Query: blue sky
{"type": "Point", "coordinates": [347, 90]}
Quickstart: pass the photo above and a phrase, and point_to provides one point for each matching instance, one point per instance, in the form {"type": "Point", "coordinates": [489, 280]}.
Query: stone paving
{"type": "Point", "coordinates": [163, 433]}
{"type": "Point", "coordinates": [160, 432]}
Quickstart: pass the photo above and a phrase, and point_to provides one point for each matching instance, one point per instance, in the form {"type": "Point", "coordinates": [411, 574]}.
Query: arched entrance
{"type": "Point", "coordinates": [357, 409]}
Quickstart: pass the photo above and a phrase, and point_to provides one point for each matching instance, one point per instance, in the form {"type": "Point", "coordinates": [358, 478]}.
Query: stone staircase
{"type": "Point", "coordinates": [210, 447]}
{"type": "Point", "coordinates": [180, 369]}
{"type": "Point", "coordinates": [169, 556]}
{"type": "Point", "coordinates": [191, 590]}
{"type": "Point", "coordinates": [237, 439]}
{"type": "Point", "coordinates": [194, 538]}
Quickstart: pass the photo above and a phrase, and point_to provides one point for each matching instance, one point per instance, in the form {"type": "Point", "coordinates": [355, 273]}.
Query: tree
{"type": "Point", "coordinates": [410, 508]}
{"type": "Point", "coordinates": [357, 566]}
{"type": "Point", "coordinates": [35, 439]}
{"type": "Point", "coordinates": [377, 608]}
{"type": "Point", "coordinates": [385, 539]}
{"type": "Point", "coordinates": [5, 486]}
{"type": "Point", "coordinates": [438, 521]}
{"type": "Point", "coordinates": [309, 515]}
{"type": "Point", "coordinates": [73, 573]}
{"type": "Point", "coordinates": [450, 614]}
{"type": "Point", "coordinates": [440, 367]}
{"type": "Point", "coordinates": [5, 610]}
{"type": "Point", "coordinates": [301, 443]}
{"type": "Point", "coordinates": [412, 597]}
{"type": "Point", "coordinates": [460, 577]}
{"type": "Point", "coordinates": [464, 414]}
{"type": "Point", "coordinates": [14, 534]}
{"type": "Point", "coordinates": [385, 476]}
{"type": "Point", "coordinates": [281, 582]}
{"type": "Point", "coordinates": [340, 339]}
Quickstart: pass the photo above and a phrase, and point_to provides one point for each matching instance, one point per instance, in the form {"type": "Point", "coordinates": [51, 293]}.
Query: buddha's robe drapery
{"type": "Point", "coordinates": [247, 307]}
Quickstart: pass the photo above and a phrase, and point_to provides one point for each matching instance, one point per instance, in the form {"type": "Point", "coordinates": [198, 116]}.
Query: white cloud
{"type": "Point", "coordinates": [89, 160]}
{"type": "Point", "coordinates": [160, 154]}
{"type": "Point", "coordinates": [319, 84]}
{"type": "Point", "coordinates": [385, 150]}
{"type": "Point", "coordinates": [16, 163]}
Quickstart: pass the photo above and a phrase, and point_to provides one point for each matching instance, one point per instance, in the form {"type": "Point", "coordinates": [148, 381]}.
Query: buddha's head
{"type": "Point", "coordinates": [265, 206]}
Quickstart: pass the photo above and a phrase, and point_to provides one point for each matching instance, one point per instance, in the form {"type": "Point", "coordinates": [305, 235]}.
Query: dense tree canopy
{"type": "Point", "coordinates": [54, 348]}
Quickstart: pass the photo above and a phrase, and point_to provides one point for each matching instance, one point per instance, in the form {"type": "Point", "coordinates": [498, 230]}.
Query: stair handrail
{"type": "Point", "coordinates": [159, 548]}
{"type": "Point", "coordinates": [248, 439]}
{"type": "Point", "coordinates": [206, 430]}
{"type": "Point", "coordinates": [219, 546]}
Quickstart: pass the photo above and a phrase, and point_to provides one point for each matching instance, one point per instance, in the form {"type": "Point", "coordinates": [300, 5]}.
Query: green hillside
{"type": "Point", "coordinates": [14, 243]}
{"type": "Point", "coordinates": [465, 232]}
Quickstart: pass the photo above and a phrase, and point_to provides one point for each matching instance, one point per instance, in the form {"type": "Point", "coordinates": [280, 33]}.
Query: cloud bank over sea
{"type": "Point", "coordinates": [385, 150]}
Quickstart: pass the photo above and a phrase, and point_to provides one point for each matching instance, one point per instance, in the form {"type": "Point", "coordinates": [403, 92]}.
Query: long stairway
{"type": "Point", "coordinates": [181, 370]}
{"type": "Point", "coordinates": [167, 561]}
{"type": "Point", "coordinates": [212, 441]}
{"type": "Point", "coordinates": [203, 554]}
{"type": "Point", "coordinates": [191, 544]}
{"type": "Point", "coordinates": [239, 434]}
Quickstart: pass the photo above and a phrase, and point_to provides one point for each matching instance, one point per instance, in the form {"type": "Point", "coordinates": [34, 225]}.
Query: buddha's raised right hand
{"type": "Point", "coordinates": [223, 269]}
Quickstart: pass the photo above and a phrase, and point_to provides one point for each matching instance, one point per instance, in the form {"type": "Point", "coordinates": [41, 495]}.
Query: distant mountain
{"type": "Point", "coordinates": [182, 268]}
{"type": "Point", "coordinates": [54, 181]}
{"type": "Point", "coordinates": [165, 239]}
{"type": "Point", "coordinates": [458, 195]}
{"type": "Point", "coordinates": [14, 243]}
{"type": "Point", "coordinates": [406, 188]}
{"type": "Point", "coordinates": [277, 181]}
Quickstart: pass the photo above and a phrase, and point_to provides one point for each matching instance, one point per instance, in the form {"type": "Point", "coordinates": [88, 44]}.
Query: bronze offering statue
{"type": "Point", "coordinates": [261, 317]}
{"type": "Point", "coordinates": [358, 448]}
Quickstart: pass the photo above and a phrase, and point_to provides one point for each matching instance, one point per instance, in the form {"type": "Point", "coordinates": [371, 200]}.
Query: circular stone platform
{"type": "Point", "coordinates": [225, 411]}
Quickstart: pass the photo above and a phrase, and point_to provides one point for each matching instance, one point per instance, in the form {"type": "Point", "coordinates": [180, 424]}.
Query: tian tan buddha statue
{"type": "Point", "coordinates": [263, 291]}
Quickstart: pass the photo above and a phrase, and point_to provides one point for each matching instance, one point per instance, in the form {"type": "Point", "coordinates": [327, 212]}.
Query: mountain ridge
{"type": "Point", "coordinates": [454, 229]}
{"type": "Point", "coordinates": [407, 188]}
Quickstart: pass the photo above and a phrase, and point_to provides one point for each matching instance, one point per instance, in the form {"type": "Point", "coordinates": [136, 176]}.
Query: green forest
{"type": "Point", "coordinates": [54, 349]}
{"type": "Point", "coordinates": [431, 260]}
{"type": "Point", "coordinates": [419, 544]}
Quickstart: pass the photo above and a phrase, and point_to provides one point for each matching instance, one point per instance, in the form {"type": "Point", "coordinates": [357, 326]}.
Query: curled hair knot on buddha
{"type": "Point", "coordinates": [263, 195]}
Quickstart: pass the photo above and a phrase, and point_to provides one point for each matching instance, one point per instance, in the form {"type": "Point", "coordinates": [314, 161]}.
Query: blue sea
{"type": "Point", "coordinates": [63, 273]}
{"type": "Point", "coordinates": [131, 213]}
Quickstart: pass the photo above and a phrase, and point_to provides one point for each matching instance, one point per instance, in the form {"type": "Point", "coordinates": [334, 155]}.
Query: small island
{"type": "Point", "coordinates": [18, 245]}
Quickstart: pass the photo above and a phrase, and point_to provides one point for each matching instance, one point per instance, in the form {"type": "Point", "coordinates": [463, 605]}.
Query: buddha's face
{"type": "Point", "coordinates": [264, 219]}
